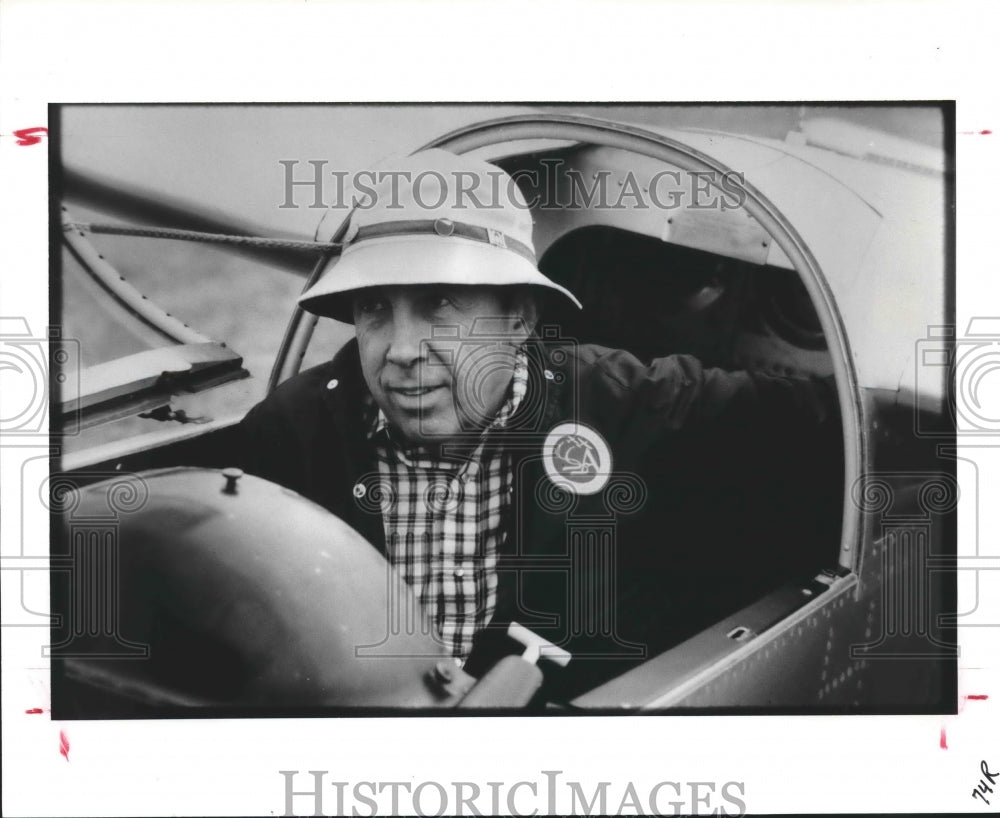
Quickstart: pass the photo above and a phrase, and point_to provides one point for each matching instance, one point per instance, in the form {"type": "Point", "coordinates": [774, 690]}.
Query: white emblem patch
{"type": "Point", "coordinates": [577, 458]}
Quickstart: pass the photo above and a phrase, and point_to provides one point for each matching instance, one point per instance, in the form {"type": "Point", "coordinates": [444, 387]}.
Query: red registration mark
{"type": "Point", "coordinates": [30, 136]}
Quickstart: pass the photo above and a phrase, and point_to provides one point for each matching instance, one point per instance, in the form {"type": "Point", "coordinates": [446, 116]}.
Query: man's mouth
{"type": "Point", "coordinates": [412, 391]}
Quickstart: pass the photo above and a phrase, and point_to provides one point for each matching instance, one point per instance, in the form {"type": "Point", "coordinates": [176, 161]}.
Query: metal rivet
{"type": "Point", "coordinates": [444, 227]}
{"type": "Point", "coordinates": [332, 384]}
{"type": "Point", "coordinates": [231, 475]}
{"type": "Point", "coordinates": [360, 490]}
{"type": "Point", "coordinates": [548, 375]}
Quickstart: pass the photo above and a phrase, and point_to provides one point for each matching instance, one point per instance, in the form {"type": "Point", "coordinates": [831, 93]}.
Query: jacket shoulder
{"type": "Point", "coordinates": [292, 395]}
{"type": "Point", "coordinates": [311, 385]}
{"type": "Point", "coordinates": [310, 381]}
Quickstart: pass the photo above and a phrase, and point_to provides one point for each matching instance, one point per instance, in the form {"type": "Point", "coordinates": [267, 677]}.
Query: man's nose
{"type": "Point", "coordinates": [407, 341]}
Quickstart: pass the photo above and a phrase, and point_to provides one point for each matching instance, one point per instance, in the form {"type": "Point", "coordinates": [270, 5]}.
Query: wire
{"type": "Point", "coordinates": [194, 235]}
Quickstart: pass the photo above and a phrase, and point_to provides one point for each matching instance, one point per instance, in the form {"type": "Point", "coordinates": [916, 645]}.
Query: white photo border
{"type": "Point", "coordinates": [52, 52]}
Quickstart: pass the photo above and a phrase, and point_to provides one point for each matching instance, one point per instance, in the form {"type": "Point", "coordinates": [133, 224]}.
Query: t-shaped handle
{"type": "Point", "coordinates": [537, 647]}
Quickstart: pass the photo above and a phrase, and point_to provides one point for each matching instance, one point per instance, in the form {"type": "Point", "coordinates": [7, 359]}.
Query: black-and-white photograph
{"type": "Point", "coordinates": [512, 408]}
{"type": "Point", "coordinates": [549, 409]}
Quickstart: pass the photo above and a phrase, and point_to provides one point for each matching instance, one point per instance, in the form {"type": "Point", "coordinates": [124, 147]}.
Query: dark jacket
{"type": "Point", "coordinates": [613, 576]}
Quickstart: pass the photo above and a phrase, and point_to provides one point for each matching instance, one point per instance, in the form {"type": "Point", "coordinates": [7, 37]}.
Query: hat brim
{"type": "Point", "coordinates": [417, 260]}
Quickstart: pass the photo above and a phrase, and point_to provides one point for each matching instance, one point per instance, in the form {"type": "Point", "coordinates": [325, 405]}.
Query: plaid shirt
{"type": "Point", "coordinates": [444, 530]}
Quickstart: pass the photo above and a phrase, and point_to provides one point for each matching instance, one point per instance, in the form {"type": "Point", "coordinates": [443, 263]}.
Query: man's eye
{"type": "Point", "coordinates": [369, 306]}
{"type": "Point", "coordinates": [439, 300]}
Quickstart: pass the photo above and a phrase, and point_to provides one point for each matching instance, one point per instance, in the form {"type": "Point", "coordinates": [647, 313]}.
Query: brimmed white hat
{"type": "Point", "coordinates": [433, 218]}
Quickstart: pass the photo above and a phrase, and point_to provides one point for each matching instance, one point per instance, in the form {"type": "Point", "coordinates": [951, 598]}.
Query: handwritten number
{"type": "Point", "coordinates": [982, 787]}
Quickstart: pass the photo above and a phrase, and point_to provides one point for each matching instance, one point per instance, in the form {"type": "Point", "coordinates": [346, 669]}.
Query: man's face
{"type": "Point", "coordinates": [431, 379]}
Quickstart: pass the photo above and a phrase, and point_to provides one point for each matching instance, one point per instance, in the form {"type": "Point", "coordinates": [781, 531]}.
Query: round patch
{"type": "Point", "coordinates": [577, 458]}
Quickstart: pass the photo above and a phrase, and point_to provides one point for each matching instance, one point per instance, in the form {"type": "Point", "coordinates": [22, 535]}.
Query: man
{"type": "Point", "coordinates": [501, 469]}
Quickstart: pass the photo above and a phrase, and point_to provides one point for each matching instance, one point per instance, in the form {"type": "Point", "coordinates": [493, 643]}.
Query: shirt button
{"type": "Point", "coordinates": [360, 490]}
{"type": "Point", "coordinates": [332, 384]}
{"type": "Point", "coordinates": [548, 375]}
{"type": "Point", "coordinates": [459, 573]}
